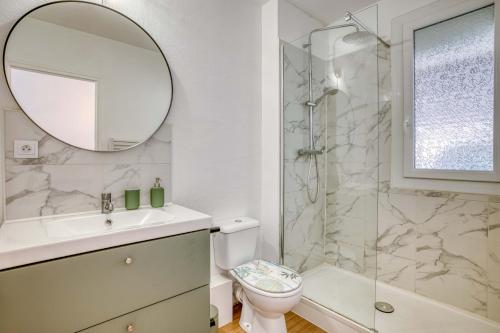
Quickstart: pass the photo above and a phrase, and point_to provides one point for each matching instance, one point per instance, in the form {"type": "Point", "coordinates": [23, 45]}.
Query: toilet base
{"type": "Point", "coordinates": [253, 321]}
{"type": "Point", "coordinates": [269, 325]}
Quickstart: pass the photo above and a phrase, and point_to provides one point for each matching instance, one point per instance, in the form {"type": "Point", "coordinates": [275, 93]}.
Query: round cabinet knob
{"type": "Point", "coordinates": [128, 261]}
{"type": "Point", "coordinates": [130, 328]}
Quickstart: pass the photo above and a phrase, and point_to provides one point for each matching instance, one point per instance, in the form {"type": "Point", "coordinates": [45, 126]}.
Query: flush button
{"type": "Point", "coordinates": [128, 261]}
{"type": "Point", "coordinates": [130, 328]}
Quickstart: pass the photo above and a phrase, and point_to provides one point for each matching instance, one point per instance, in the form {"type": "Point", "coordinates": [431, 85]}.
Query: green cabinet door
{"type": "Point", "coordinates": [187, 313]}
{"type": "Point", "coordinates": [74, 293]}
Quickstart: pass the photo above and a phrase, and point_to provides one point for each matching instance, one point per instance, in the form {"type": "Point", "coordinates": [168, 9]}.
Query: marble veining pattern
{"type": "Point", "coordinates": [443, 245]}
{"type": "Point", "coordinates": [65, 179]}
{"type": "Point", "coordinates": [304, 221]}
{"type": "Point", "coordinates": [352, 164]}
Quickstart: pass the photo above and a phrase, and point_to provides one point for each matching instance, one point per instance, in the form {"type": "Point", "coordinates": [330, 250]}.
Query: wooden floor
{"type": "Point", "coordinates": [294, 323]}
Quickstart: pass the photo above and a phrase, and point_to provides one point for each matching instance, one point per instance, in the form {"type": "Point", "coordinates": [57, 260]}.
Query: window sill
{"type": "Point", "coordinates": [438, 185]}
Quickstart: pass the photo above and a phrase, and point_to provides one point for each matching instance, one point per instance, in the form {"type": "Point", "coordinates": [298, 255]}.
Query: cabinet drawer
{"type": "Point", "coordinates": [74, 293]}
{"type": "Point", "coordinates": [187, 313]}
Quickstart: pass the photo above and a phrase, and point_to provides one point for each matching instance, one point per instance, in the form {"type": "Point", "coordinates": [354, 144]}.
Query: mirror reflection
{"type": "Point", "coordinates": [88, 75]}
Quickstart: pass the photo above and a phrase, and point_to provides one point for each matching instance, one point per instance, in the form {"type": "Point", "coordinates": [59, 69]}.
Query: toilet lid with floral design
{"type": "Point", "coordinates": [268, 277]}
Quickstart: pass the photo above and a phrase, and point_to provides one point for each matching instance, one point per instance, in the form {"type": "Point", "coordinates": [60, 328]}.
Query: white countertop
{"type": "Point", "coordinates": [28, 241]}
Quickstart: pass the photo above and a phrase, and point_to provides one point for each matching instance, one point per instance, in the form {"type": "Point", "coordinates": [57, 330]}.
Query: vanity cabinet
{"type": "Point", "coordinates": [155, 284]}
{"type": "Point", "coordinates": [184, 313]}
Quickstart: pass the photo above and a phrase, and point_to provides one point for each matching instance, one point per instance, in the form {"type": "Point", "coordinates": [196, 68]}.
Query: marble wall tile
{"type": "Point", "coordinates": [457, 227]}
{"type": "Point", "coordinates": [396, 271]}
{"type": "Point", "coordinates": [65, 179]}
{"type": "Point", "coordinates": [370, 262]}
{"type": "Point", "coordinates": [303, 220]}
{"type": "Point", "coordinates": [51, 189]}
{"type": "Point", "coordinates": [385, 105]}
{"type": "Point", "coordinates": [295, 175]}
{"type": "Point", "coordinates": [460, 286]}
{"type": "Point", "coordinates": [305, 258]}
{"type": "Point", "coordinates": [53, 151]}
{"type": "Point", "coordinates": [344, 119]}
{"type": "Point", "coordinates": [434, 243]}
{"type": "Point", "coordinates": [142, 176]}
{"type": "Point", "coordinates": [346, 256]}
{"type": "Point", "coordinates": [347, 148]}
{"type": "Point", "coordinates": [345, 229]}
{"type": "Point", "coordinates": [346, 202]}
{"type": "Point", "coordinates": [397, 230]}
{"type": "Point", "coordinates": [40, 190]}
{"type": "Point", "coordinates": [385, 131]}
{"type": "Point", "coordinates": [351, 176]}
{"type": "Point", "coordinates": [442, 245]}
{"type": "Point", "coordinates": [494, 301]}
{"type": "Point", "coordinates": [452, 252]}
{"type": "Point", "coordinates": [443, 194]}
{"type": "Point", "coordinates": [494, 261]}
{"type": "Point", "coordinates": [371, 219]}
{"type": "Point", "coordinates": [304, 228]}
{"type": "Point", "coordinates": [352, 164]}
{"type": "Point", "coordinates": [494, 242]}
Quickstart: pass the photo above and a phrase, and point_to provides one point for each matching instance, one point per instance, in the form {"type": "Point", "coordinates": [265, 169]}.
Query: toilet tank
{"type": "Point", "coordinates": [236, 243]}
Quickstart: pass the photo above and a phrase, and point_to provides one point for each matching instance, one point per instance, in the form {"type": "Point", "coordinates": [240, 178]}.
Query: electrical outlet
{"type": "Point", "coordinates": [25, 149]}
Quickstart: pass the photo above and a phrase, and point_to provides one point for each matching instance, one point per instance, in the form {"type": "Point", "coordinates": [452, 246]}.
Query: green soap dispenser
{"type": "Point", "coordinates": [157, 195]}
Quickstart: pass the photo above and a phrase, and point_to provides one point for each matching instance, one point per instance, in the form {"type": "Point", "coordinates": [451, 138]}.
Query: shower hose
{"type": "Point", "coordinates": [313, 196]}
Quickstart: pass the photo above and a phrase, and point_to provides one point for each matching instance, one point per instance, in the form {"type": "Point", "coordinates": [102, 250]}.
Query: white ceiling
{"type": "Point", "coordinates": [328, 11]}
{"type": "Point", "coordinates": [95, 20]}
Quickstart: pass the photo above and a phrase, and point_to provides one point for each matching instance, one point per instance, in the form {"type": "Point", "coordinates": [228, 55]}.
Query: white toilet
{"type": "Point", "coordinates": [267, 290]}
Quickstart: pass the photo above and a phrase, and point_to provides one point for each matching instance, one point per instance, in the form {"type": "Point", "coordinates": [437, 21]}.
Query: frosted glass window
{"type": "Point", "coordinates": [453, 93]}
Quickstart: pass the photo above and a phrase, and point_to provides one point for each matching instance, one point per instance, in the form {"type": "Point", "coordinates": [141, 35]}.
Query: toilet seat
{"type": "Point", "coordinates": [268, 279]}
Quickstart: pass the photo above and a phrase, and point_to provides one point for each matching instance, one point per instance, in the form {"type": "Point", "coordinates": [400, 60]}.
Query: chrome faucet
{"type": "Point", "coordinates": [106, 204]}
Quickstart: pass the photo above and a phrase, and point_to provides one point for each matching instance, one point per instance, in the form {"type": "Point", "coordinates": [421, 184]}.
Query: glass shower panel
{"type": "Point", "coordinates": [304, 220]}
{"type": "Point", "coordinates": [332, 242]}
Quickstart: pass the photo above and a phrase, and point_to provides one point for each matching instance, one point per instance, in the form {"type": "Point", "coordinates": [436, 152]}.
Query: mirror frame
{"type": "Point", "coordinates": [106, 8]}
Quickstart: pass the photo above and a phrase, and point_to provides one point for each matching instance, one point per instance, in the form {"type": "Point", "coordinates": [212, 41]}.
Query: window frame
{"type": "Point", "coordinates": [403, 174]}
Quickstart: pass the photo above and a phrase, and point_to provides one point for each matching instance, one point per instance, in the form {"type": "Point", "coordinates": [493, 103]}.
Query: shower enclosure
{"type": "Point", "coordinates": [330, 165]}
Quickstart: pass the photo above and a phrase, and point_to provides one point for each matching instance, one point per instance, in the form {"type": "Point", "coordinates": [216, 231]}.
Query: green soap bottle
{"type": "Point", "coordinates": [157, 195]}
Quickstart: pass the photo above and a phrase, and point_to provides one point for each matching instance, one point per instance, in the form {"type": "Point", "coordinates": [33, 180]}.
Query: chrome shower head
{"type": "Point", "coordinates": [359, 37]}
{"type": "Point", "coordinates": [327, 92]}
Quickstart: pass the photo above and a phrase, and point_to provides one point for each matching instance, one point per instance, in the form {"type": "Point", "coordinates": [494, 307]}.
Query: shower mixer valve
{"type": "Point", "coordinates": [310, 152]}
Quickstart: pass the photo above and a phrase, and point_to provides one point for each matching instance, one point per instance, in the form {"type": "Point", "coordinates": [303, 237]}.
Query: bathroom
{"type": "Point", "coordinates": [305, 184]}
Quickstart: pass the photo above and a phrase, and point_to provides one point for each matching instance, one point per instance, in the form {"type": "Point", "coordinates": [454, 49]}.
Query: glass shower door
{"type": "Point", "coordinates": [332, 241]}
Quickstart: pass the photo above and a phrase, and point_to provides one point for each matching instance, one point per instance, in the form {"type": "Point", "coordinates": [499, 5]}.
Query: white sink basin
{"type": "Point", "coordinates": [96, 224]}
{"type": "Point", "coordinates": [38, 239]}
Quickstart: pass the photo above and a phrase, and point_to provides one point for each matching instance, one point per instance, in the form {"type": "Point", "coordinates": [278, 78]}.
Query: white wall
{"type": "Point", "coordinates": [270, 167]}
{"type": "Point", "coordinates": [390, 9]}
{"type": "Point", "coordinates": [213, 48]}
{"type": "Point", "coordinates": [294, 23]}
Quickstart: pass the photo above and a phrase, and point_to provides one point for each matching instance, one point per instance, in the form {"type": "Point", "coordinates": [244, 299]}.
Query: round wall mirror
{"type": "Point", "coordinates": [88, 75]}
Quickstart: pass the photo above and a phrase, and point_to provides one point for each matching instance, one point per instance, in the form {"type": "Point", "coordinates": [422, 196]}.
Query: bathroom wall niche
{"type": "Point", "coordinates": [88, 75]}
